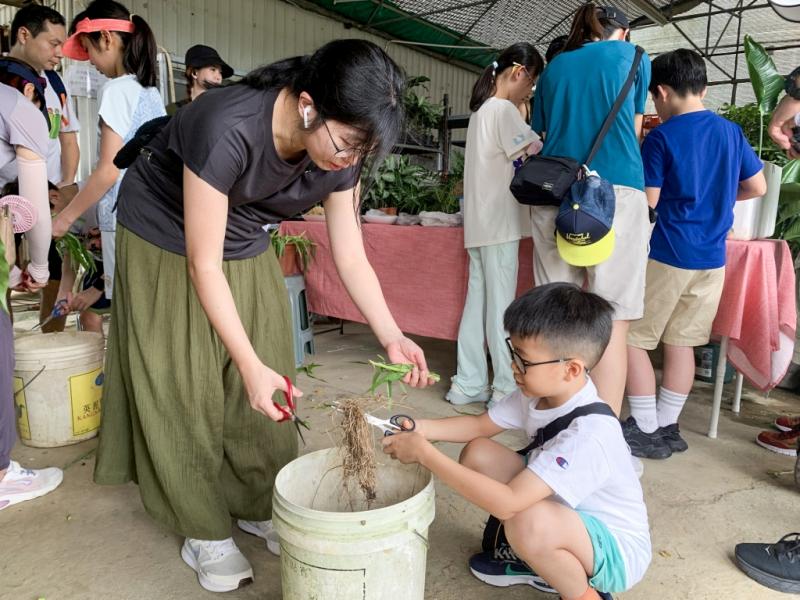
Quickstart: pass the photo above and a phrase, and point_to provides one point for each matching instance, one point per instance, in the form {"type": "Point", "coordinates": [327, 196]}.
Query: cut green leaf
{"type": "Point", "coordinates": [4, 274]}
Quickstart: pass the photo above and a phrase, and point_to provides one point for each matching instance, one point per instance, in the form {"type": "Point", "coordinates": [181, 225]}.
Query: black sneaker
{"type": "Point", "coordinates": [502, 568]}
{"type": "Point", "coordinates": [776, 566]}
{"type": "Point", "coordinates": [644, 445]}
{"type": "Point", "coordinates": [671, 434]}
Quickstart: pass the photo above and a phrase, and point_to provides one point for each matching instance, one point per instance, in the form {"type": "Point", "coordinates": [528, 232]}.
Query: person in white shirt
{"type": "Point", "coordinates": [494, 221]}
{"type": "Point", "coordinates": [37, 38]}
{"type": "Point", "coordinates": [122, 47]}
{"type": "Point", "coordinates": [572, 508]}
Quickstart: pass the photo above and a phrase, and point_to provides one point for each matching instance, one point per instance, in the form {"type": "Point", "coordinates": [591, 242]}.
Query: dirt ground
{"type": "Point", "coordinates": [85, 541]}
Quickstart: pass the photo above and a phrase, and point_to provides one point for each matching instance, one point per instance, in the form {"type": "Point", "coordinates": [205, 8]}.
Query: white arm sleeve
{"type": "Point", "coordinates": [33, 187]}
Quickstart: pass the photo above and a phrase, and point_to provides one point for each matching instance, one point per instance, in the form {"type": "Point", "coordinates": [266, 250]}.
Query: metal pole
{"type": "Point", "coordinates": [735, 85]}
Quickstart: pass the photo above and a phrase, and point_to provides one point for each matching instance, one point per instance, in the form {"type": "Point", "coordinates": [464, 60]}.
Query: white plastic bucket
{"type": "Point", "coordinates": [335, 548]}
{"type": "Point", "coordinates": [754, 219]}
{"type": "Point", "coordinates": [58, 382]}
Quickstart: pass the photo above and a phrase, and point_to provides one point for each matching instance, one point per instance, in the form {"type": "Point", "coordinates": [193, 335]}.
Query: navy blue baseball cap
{"type": "Point", "coordinates": [584, 232]}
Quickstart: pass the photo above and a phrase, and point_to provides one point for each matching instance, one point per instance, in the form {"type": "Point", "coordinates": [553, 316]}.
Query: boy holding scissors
{"type": "Point", "coordinates": [572, 508]}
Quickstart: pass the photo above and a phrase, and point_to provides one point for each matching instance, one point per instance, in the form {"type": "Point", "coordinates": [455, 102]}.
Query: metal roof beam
{"type": "Point", "coordinates": [650, 11]}
{"type": "Point", "coordinates": [428, 13]}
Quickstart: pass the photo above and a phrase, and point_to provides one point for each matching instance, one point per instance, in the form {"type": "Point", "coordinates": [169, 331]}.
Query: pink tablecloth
{"type": "Point", "coordinates": [423, 272]}
{"type": "Point", "coordinates": [758, 311]}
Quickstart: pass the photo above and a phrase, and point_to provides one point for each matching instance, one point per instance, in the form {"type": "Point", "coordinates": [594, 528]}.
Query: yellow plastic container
{"type": "Point", "coordinates": [58, 382]}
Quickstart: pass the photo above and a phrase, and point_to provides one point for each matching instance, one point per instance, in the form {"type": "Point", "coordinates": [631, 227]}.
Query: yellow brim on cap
{"type": "Point", "coordinates": [588, 255]}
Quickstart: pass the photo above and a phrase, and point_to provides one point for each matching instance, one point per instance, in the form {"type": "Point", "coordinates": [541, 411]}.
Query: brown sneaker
{"type": "Point", "coordinates": [782, 442]}
{"type": "Point", "coordinates": [787, 423]}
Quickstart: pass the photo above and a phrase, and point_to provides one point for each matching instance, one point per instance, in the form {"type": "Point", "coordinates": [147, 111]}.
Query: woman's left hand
{"type": "Point", "coordinates": [403, 350]}
{"type": "Point", "coordinates": [406, 447]}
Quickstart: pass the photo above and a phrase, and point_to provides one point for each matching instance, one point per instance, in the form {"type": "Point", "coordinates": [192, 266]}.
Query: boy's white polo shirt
{"type": "Point", "coordinates": [589, 467]}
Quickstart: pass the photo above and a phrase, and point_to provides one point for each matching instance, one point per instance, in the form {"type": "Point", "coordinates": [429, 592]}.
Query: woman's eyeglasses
{"type": "Point", "coordinates": [523, 364]}
{"type": "Point", "coordinates": [340, 152]}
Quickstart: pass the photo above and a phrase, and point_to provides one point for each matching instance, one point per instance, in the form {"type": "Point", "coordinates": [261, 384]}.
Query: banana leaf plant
{"type": "Point", "coordinates": [767, 82]}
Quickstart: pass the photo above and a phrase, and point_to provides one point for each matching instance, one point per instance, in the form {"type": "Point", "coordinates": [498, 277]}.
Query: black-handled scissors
{"type": "Point", "coordinates": [392, 425]}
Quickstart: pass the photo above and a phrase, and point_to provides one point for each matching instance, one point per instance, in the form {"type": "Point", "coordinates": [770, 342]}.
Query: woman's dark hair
{"type": "Point", "coordinates": [683, 70]}
{"type": "Point", "coordinates": [522, 54]}
{"type": "Point", "coordinates": [140, 48]}
{"type": "Point", "coordinates": [17, 74]}
{"type": "Point", "coordinates": [555, 48]}
{"type": "Point", "coordinates": [352, 82]}
{"type": "Point", "coordinates": [590, 23]}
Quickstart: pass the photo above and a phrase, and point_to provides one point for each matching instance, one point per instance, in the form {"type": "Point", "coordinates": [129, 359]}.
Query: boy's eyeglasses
{"type": "Point", "coordinates": [523, 364]}
{"type": "Point", "coordinates": [340, 152]}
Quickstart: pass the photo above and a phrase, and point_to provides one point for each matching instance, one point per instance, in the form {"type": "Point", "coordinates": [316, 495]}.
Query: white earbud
{"type": "Point", "coordinates": [305, 116]}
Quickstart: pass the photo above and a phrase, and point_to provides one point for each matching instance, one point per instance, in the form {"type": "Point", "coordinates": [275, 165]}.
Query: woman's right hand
{"type": "Point", "coordinates": [61, 224]}
{"type": "Point", "coordinates": [261, 383]}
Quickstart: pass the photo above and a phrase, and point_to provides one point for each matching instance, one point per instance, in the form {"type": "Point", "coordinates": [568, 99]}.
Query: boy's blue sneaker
{"type": "Point", "coordinates": [502, 568]}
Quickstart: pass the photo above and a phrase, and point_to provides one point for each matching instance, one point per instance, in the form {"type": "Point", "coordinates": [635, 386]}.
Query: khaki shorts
{"type": "Point", "coordinates": [620, 279]}
{"type": "Point", "coordinates": [679, 306]}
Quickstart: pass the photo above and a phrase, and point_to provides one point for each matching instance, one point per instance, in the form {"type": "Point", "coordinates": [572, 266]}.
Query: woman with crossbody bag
{"type": "Point", "coordinates": [573, 98]}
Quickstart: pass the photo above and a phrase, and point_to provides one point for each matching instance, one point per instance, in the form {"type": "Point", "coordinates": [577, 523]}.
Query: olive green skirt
{"type": "Point", "coordinates": [176, 418]}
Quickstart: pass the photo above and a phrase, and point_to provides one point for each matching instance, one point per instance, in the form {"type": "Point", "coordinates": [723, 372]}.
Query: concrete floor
{"type": "Point", "coordinates": [89, 542]}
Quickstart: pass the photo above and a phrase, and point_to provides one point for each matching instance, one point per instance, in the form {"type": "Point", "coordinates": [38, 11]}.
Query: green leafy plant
{"type": "Point", "coordinates": [787, 226]}
{"type": "Point", "coordinates": [390, 373]}
{"type": "Point", "coordinates": [70, 245]}
{"type": "Point", "coordinates": [412, 188]}
{"type": "Point", "coordinates": [749, 118]}
{"type": "Point", "coordinates": [4, 271]}
{"type": "Point", "coordinates": [305, 248]}
{"type": "Point", "coordinates": [308, 369]}
{"type": "Point", "coordinates": [422, 115]}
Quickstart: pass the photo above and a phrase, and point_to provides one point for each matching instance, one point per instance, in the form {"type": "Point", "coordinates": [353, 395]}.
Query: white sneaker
{"type": "Point", "coordinates": [264, 530]}
{"type": "Point", "coordinates": [21, 484]}
{"type": "Point", "coordinates": [220, 565]}
{"type": "Point", "coordinates": [455, 395]}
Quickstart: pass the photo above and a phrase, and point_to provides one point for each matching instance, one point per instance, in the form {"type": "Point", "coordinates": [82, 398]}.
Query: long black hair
{"type": "Point", "coordinates": [350, 81]}
{"type": "Point", "coordinates": [589, 23]}
{"type": "Point", "coordinates": [521, 54]}
{"type": "Point", "coordinates": [140, 48]}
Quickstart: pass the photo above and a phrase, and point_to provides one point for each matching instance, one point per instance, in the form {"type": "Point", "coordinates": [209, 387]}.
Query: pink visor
{"type": "Point", "coordinates": [72, 47]}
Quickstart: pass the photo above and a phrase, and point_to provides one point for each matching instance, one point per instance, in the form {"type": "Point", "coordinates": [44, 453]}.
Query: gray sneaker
{"type": "Point", "coordinates": [220, 565]}
{"type": "Point", "coordinates": [455, 395]}
{"type": "Point", "coordinates": [265, 531]}
{"type": "Point", "coordinates": [644, 445]}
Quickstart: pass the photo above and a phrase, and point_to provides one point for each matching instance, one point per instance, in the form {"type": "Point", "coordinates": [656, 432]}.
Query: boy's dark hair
{"type": "Point", "coordinates": [572, 323]}
{"type": "Point", "coordinates": [34, 17]}
{"type": "Point", "coordinates": [555, 48]}
{"type": "Point", "coordinates": [683, 70]}
{"type": "Point", "coordinates": [519, 54]}
{"type": "Point", "coordinates": [140, 48]}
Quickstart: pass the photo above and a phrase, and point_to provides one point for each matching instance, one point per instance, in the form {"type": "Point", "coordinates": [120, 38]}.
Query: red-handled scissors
{"type": "Point", "coordinates": [289, 411]}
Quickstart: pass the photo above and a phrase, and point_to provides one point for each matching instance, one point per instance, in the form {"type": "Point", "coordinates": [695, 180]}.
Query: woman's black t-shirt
{"type": "Point", "coordinates": [225, 138]}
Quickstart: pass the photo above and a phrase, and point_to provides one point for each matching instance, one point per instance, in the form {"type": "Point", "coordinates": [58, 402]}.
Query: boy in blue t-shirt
{"type": "Point", "coordinates": [696, 166]}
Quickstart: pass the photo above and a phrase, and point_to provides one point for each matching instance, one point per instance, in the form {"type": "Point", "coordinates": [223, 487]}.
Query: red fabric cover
{"type": "Point", "coordinates": [422, 270]}
{"type": "Point", "coordinates": [758, 304]}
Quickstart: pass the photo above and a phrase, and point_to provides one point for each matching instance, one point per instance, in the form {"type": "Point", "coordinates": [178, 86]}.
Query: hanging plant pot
{"type": "Point", "coordinates": [288, 261]}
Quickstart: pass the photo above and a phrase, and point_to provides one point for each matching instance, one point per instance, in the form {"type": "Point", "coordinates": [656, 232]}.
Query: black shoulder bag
{"type": "Point", "coordinates": [494, 536]}
{"type": "Point", "coordinates": [545, 180]}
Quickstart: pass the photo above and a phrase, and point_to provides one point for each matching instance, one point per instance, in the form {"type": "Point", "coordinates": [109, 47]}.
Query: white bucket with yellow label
{"type": "Point", "coordinates": [58, 382]}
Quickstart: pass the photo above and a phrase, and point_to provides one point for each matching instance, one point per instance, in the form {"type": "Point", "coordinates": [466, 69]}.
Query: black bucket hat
{"type": "Point", "coordinates": [200, 56]}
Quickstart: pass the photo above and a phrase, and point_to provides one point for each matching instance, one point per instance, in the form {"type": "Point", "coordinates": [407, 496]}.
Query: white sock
{"type": "Point", "coordinates": [670, 405]}
{"type": "Point", "coordinates": [643, 410]}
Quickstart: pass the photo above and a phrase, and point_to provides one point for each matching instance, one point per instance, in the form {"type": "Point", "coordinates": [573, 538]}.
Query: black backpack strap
{"type": "Point", "coordinates": [637, 58]}
{"type": "Point", "coordinates": [58, 86]}
{"type": "Point", "coordinates": [552, 429]}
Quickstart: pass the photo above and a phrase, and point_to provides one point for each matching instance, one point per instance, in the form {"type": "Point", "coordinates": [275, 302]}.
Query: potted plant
{"type": "Point", "coordinates": [294, 252]}
{"type": "Point", "coordinates": [755, 218]}
{"type": "Point", "coordinates": [422, 116]}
